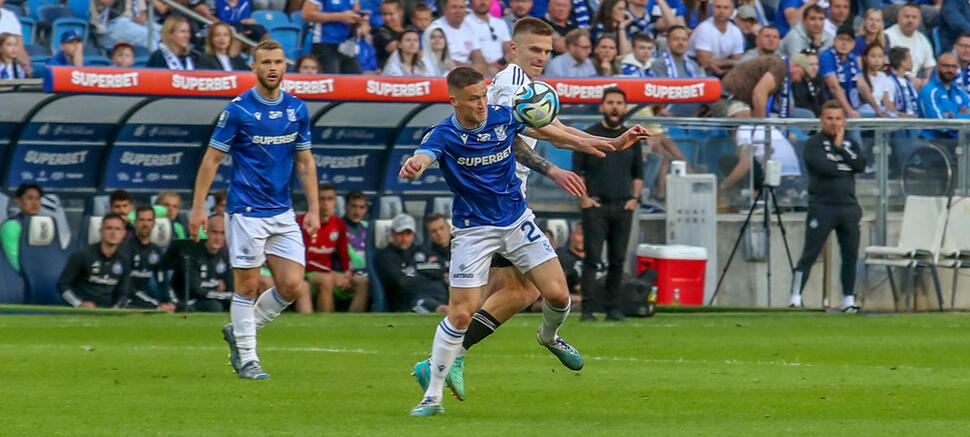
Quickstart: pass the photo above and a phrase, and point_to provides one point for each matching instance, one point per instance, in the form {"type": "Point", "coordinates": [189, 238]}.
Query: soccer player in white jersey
{"type": "Point", "coordinates": [510, 290]}
{"type": "Point", "coordinates": [267, 133]}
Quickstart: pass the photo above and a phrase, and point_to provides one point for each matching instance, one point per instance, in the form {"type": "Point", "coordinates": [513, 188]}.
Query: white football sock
{"type": "Point", "coordinates": [796, 300]}
{"type": "Point", "coordinates": [848, 301]}
{"type": "Point", "coordinates": [552, 319]}
{"type": "Point", "coordinates": [242, 314]}
{"type": "Point", "coordinates": [269, 305]}
{"type": "Point", "coordinates": [447, 343]}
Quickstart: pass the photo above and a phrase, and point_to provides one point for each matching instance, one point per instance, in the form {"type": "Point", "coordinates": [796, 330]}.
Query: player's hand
{"type": "Point", "coordinates": [567, 180]}
{"type": "Point", "coordinates": [197, 220]}
{"type": "Point", "coordinates": [631, 205]}
{"type": "Point", "coordinates": [88, 304]}
{"type": "Point", "coordinates": [411, 169]}
{"type": "Point", "coordinates": [596, 147]}
{"type": "Point", "coordinates": [588, 202]}
{"type": "Point", "coordinates": [839, 137]}
{"type": "Point", "coordinates": [311, 222]}
{"type": "Point", "coordinates": [630, 137]}
{"type": "Point", "coordinates": [349, 17]}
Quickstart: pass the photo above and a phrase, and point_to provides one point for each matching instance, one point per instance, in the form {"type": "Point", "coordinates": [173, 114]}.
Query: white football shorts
{"type": "Point", "coordinates": [250, 239]}
{"type": "Point", "coordinates": [522, 243]}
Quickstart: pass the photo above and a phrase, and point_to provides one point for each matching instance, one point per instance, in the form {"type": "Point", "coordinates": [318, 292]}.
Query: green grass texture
{"type": "Point", "coordinates": [713, 374]}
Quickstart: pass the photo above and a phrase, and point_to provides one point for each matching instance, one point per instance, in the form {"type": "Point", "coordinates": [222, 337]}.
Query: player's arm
{"type": "Point", "coordinates": [203, 181]}
{"type": "Point", "coordinates": [306, 172]}
{"type": "Point", "coordinates": [565, 140]}
{"type": "Point", "coordinates": [567, 180]}
{"type": "Point", "coordinates": [65, 283]}
{"type": "Point", "coordinates": [629, 138]}
{"type": "Point", "coordinates": [415, 166]}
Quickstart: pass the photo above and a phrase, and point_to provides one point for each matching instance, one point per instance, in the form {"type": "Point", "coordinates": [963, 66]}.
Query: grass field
{"type": "Point", "coordinates": [674, 374]}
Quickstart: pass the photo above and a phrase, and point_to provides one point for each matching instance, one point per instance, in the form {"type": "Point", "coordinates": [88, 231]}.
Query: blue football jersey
{"type": "Point", "coordinates": [262, 137]}
{"type": "Point", "coordinates": [479, 167]}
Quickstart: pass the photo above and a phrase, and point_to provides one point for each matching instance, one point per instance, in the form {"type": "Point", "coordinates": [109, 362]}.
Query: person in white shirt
{"type": "Point", "coordinates": [905, 33]}
{"type": "Point", "coordinates": [717, 43]}
{"type": "Point", "coordinates": [883, 88]}
{"type": "Point", "coordinates": [575, 62]}
{"type": "Point", "coordinates": [407, 60]}
{"type": "Point", "coordinates": [750, 142]}
{"type": "Point", "coordinates": [493, 34]}
{"type": "Point", "coordinates": [838, 13]}
{"type": "Point", "coordinates": [463, 45]}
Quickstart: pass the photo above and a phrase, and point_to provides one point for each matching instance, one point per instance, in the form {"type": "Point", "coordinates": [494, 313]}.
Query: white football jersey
{"type": "Point", "coordinates": [501, 92]}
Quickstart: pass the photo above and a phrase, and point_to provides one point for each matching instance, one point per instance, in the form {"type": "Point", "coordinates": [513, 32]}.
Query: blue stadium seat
{"type": "Point", "coordinates": [140, 62]}
{"type": "Point", "coordinates": [97, 61]}
{"type": "Point", "coordinates": [937, 41]}
{"type": "Point", "coordinates": [378, 298]}
{"type": "Point", "coordinates": [62, 25]}
{"type": "Point", "coordinates": [307, 43]}
{"type": "Point", "coordinates": [289, 37]}
{"type": "Point", "coordinates": [296, 19]}
{"type": "Point", "coordinates": [141, 51]}
{"type": "Point", "coordinates": [90, 50]}
{"type": "Point", "coordinates": [271, 19]}
{"type": "Point", "coordinates": [41, 260]}
{"type": "Point", "coordinates": [81, 8]}
{"type": "Point", "coordinates": [28, 26]}
{"type": "Point", "coordinates": [39, 66]}
{"type": "Point", "coordinates": [36, 51]}
{"type": "Point", "coordinates": [13, 290]}
{"type": "Point", "coordinates": [46, 14]}
{"type": "Point", "coordinates": [15, 9]}
{"type": "Point", "coordinates": [33, 6]}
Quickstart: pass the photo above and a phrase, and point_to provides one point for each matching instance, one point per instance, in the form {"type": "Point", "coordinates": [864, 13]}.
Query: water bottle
{"type": "Point", "coordinates": [652, 296]}
{"type": "Point", "coordinates": [676, 297]}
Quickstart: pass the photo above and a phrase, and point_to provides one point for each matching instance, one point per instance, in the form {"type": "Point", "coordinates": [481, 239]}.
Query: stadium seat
{"type": "Point", "coordinates": [377, 239]}
{"type": "Point", "coordinates": [33, 6]}
{"type": "Point", "coordinates": [937, 41]}
{"type": "Point", "coordinates": [39, 66]}
{"type": "Point", "coordinates": [90, 50]}
{"type": "Point", "coordinates": [920, 238]}
{"type": "Point", "coordinates": [288, 36]}
{"type": "Point", "coordinates": [162, 232]}
{"type": "Point", "coordinates": [307, 43]}
{"type": "Point", "coordinates": [50, 206]}
{"type": "Point", "coordinates": [140, 62]}
{"type": "Point", "coordinates": [341, 207]}
{"type": "Point", "coordinates": [560, 230]}
{"type": "Point", "coordinates": [296, 19]}
{"type": "Point", "coordinates": [440, 205]}
{"type": "Point", "coordinates": [81, 8]}
{"type": "Point", "coordinates": [956, 241]}
{"type": "Point", "coordinates": [62, 25]}
{"type": "Point", "coordinates": [90, 231]}
{"type": "Point", "coordinates": [13, 290]}
{"type": "Point", "coordinates": [97, 61]}
{"type": "Point", "coordinates": [41, 260]}
{"type": "Point", "coordinates": [271, 19]}
{"type": "Point", "coordinates": [46, 14]}
{"type": "Point", "coordinates": [141, 51]}
{"type": "Point", "coordinates": [4, 207]}
{"type": "Point", "coordinates": [28, 27]}
{"type": "Point", "coordinates": [97, 205]}
{"type": "Point", "coordinates": [35, 51]}
{"type": "Point", "coordinates": [389, 206]}
{"type": "Point", "coordinates": [16, 10]}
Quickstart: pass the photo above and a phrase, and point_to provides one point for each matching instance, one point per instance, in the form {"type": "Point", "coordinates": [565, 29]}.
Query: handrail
{"type": "Point", "coordinates": [198, 17]}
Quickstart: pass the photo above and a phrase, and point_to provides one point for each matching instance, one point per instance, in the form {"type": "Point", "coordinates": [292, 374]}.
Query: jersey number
{"type": "Point", "coordinates": [530, 229]}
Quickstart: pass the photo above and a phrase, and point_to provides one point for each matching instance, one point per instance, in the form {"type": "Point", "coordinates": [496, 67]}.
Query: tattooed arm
{"type": "Point", "coordinates": [567, 180]}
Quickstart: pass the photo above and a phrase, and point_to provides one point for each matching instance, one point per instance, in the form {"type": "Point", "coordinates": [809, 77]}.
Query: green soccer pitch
{"type": "Point", "coordinates": [719, 374]}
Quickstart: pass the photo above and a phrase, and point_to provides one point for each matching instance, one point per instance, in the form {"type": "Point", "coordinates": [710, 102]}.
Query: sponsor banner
{"type": "Point", "coordinates": [163, 133]}
{"type": "Point", "coordinates": [352, 135]}
{"type": "Point", "coordinates": [41, 131]}
{"type": "Point", "coordinates": [431, 180]}
{"type": "Point", "coordinates": [349, 168]}
{"type": "Point", "coordinates": [67, 168]}
{"type": "Point", "coordinates": [353, 88]}
{"type": "Point", "coordinates": [151, 168]}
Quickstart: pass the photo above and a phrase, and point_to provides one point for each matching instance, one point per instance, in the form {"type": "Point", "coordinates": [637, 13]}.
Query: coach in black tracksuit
{"type": "Point", "coordinates": [98, 276]}
{"type": "Point", "coordinates": [613, 185]}
{"type": "Point", "coordinates": [832, 161]}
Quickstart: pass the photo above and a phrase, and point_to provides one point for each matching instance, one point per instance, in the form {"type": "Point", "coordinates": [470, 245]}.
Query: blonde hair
{"type": "Point", "coordinates": [169, 27]}
{"type": "Point", "coordinates": [210, 46]}
{"type": "Point", "coordinates": [880, 35]}
{"type": "Point", "coordinates": [3, 39]}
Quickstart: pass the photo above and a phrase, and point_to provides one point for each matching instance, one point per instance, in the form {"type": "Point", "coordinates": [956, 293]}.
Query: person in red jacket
{"type": "Point", "coordinates": [331, 276]}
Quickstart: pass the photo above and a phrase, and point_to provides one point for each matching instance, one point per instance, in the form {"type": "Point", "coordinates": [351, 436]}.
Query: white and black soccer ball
{"type": "Point", "coordinates": [535, 104]}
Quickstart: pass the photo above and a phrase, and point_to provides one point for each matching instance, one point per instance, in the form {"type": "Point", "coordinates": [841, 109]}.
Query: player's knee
{"type": "Point", "coordinates": [459, 317]}
{"type": "Point", "coordinates": [247, 287]}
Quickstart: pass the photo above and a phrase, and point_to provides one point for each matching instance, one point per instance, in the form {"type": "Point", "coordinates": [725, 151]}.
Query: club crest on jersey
{"type": "Point", "coordinates": [334, 235]}
{"type": "Point", "coordinates": [222, 119]}
{"type": "Point", "coordinates": [483, 138]}
{"type": "Point", "coordinates": [273, 115]}
{"type": "Point", "coordinates": [117, 269]}
{"type": "Point", "coordinates": [291, 114]}
{"type": "Point", "coordinates": [500, 132]}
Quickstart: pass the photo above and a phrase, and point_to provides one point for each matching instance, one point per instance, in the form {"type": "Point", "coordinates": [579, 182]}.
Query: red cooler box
{"type": "Point", "coordinates": [680, 268]}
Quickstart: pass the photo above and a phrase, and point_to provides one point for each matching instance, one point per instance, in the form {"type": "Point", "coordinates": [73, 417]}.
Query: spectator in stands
{"type": "Point", "coordinates": [172, 202]}
{"type": "Point", "coordinates": [332, 278]}
{"type": "Point", "coordinates": [613, 186]}
{"type": "Point", "coordinates": [905, 102]}
{"type": "Point", "coordinates": [205, 265]}
{"type": "Point", "coordinates": [117, 21]}
{"type": "Point", "coordinates": [239, 15]}
{"type": "Point", "coordinates": [28, 200]}
{"type": "Point", "coordinates": [696, 12]}
{"type": "Point", "coordinates": [871, 32]}
{"type": "Point", "coordinates": [654, 17]}
{"type": "Point", "coordinates": [941, 99]}
{"type": "Point", "coordinates": [747, 88]}
{"type": "Point", "coordinates": [366, 53]}
{"type": "Point", "coordinates": [873, 61]}
{"type": "Point", "coordinates": [613, 19]}
{"type": "Point", "coordinates": [674, 62]}
{"type": "Point", "coordinates": [575, 62]}
{"type": "Point", "coordinates": [517, 10]}
{"type": "Point", "coordinates": [717, 43]}
{"type": "Point", "coordinates": [411, 284]}
{"type": "Point", "coordinates": [98, 276]}
{"type": "Point", "coordinates": [174, 52]}
{"type": "Point", "coordinates": [387, 36]}
{"type": "Point", "coordinates": [421, 18]}
{"type": "Point", "coordinates": [605, 57]}
{"type": "Point", "coordinates": [149, 287]}
{"type": "Point", "coordinates": [961, 48]}
{"type": "Point", "coordinates": [10, 67]}
{"type": "Point", "coordinates": [308, 64]}
{"type": "Point", "coordinates": [272, 5]}
{"type": "Point", "coordinates": [638, 62]}
{"type": "Point", "coordinates": [334, 41]}
{"type": "Point", "coordinates": [559, 16]}
{"type": "Point", "coordinates": [122, 55]}
{"type": "Point", "coordinates": [838, 14]}
{"type": "Point", "coordinates": [354, 215]}
{"type": "Point", "coordinates": [494, 37]}
{"type": "Point", "coordinates": [462, 41]}
{"type": "Point", "coordinates": [438, 247]}
{"type": "Point", "coordinates": [808, 93]}
{"type": "Point", "coordinates": [407, 60]}
{"type": "Point", "coordinates": [438, 58]}
{"type": "Point", "coordinates": [163, 11]}
{"type": "Point", "coordinates": [792, 12]}
{"type": "Point", "coordinates": [843, 77]}
{"type": "Point", "coordinates": [219, 202]}
{"type": "Point", "coordinates": [746, 19]}
{"type": "Point", "coordinates": [808, 34]}
{"type": "Point", "coordinates": [905, 33]}
{"type": "Point", "coordinates": [956, 21]}
{"type": "Point", "coordinates": [929, 10]}
{"type": "Point", "coordinates": [221, 51]}
{"type": "Point", "coordinates": [72, 51]}
{"type": "Point", "coordinates": [766, 44]}
{"type": "Point", "coordinates": [10, 24]}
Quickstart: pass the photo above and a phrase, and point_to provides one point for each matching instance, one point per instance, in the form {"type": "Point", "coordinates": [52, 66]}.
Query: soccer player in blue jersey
{"type": "Point", "coordinates": [267, 133]}
{"type": "Point", "coordinates": [474, 150]}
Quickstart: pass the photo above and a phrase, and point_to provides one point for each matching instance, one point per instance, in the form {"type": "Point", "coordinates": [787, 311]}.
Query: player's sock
{"type": "Point", "coordinates": [269, 305]}
{"type": "Point", "coordinates": [242, 314]}
{"type": "Point", "coordinates": [848, 301]}
{"type": "Point", "coordinates": [447, 343]}
{"type": "Point", "coordinates": [481, 326]}
{"type": "Point", "coordinates": [552, 319]}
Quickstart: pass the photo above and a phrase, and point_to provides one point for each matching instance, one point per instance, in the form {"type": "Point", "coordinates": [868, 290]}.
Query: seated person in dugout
{"type": "Point", "coordinates": [202, 270]}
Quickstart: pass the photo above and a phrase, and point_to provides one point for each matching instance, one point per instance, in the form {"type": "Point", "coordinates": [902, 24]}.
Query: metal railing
{"type": "Point", "coordinates": [191, 15]}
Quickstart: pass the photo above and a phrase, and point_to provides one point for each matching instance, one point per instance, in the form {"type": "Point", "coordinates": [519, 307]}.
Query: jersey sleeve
{"type": "Point", "coordinates": [514, 123]}
{"type": "Point", "coordinates": [505, 86]}
{"type": "Point", "coordinates": [10, 242]}
{"type": "Point", "coordinates": [432, 144]}
{"type": "Point", "coordinates": [303, 139]}
{"type": "Point", "coordinates": [826, 64]}
{"type": "Point", "coordinates": [226, 128]}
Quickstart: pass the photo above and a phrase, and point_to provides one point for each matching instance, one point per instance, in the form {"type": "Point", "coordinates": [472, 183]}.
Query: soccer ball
{"type": "Point", "coordinates": [536, 104]}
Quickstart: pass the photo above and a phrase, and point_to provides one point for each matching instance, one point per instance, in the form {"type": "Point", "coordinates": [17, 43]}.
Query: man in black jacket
{"type": "Point", "coordinates": [832, 161]}
{"type": "Point", "coordinates": [149, 289]}
{"type": "Point", "coordinates": [206, 266]}
{"type": "Point", "coordinates": [97, 276]}
{"type": "Point", "coordinates": [613, 185]}
{"type": "Point", "coordinates": [411, 281]}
